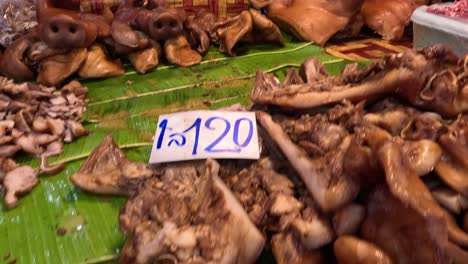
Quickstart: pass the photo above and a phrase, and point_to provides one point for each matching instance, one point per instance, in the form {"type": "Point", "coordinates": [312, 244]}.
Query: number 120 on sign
{"type": "Point", "coordinates": [205, 134]}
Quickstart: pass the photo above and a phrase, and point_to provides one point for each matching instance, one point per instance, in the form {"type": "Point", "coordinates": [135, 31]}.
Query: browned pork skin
{"type": "Point", "coordinates": [54, 70]}
{"type": "Point", "coordinates": [405, 233]}
{"type": "Point", "coordinates": [128, 19]}
{"type": "Point", "coordinates": [98, 65]}
{"type": "Point", "coordinates": [453, 168]}
{"type": "Point", "coordinates": [264, 30]}
{"type": "Point", "coordinates": [179, 52]}
{"type": "Point", "coordinates": [423, 126]}
{"type": "Point", "coordinates": [197, 35]}
{"type": "Point", "coordinates": [450, 199]}
{"type": "Point", "coordinates": [232, 31]}
{"type": "Point", "coordinates": [13, 64]}
{"type": "Point", "coordinates": [104, 171]}
{"type": "Point", "coordinates": [445, 92]}
{"type": "Point", "coordinates": [352, 250]}
{"type": "Point", "coordinates": [146, 59]}
{"type": "Point", "coordinates": [248, 27]}
{"type": "Point", "coordinates": [389, 18]}
{"type": "Point", "coordinates": [39, 51]}
{"type": "Point", "coordinates": [408, 188]}
{"type": "Point", "coordinates": [310, 20]}
{"type": "Point", "coordinates": [125, 39]}
{"type": "Point", "coordinates": [444, 89]}
{"type": "Point", "coordinates": [456, 234]}
{"type": "Point", "coordinates": [207, 21]}
{"type": "Point", "coordinates": [199, 232]}
{"type": "Point", "coordinates": [458, 254]}
{"type": "Point", "coordinates": [312, 70]}
{"type": "Point", "coordinates": [455, 142]}
{"type": "Point", "coordinates": [392, 118]}
{"type": "Point", "coordinates": [315, 175]}
{"type": "Point", "coordinates": [292, 77]}
{"type": "Point", "coordinates": [453, 174]}
{"type": "Point", "coordinates": [348, 220]}
{"type": "Point", "coordinates": [423, 155]}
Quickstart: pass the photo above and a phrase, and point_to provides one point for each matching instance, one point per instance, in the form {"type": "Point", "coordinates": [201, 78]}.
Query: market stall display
{"type": "Point", "coordinates": [68, 42]}
{"type": "Point", "coordinates": [318, 175]}
{"type": "Point", "coordinates": [128, 107]}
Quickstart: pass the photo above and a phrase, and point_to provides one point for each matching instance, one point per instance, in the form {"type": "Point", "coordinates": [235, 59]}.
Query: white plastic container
{"type": "Point", "coordinates": [430, 29]}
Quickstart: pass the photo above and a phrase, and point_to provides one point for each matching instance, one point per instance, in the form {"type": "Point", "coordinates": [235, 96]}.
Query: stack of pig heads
{"type": "Point", "coordinates": [145, 30]}
{"type": "Point", "coordinates": [68, 41]}
{"type": "Point", "coordinates": [65, 42]}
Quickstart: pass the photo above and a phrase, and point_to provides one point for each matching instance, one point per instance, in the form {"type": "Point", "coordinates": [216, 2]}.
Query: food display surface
{"type": "Point", "coordinates": [57, 222]}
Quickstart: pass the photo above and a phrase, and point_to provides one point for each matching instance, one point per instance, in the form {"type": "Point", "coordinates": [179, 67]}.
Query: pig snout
{"type": "Point", "coordinates": [166, 26]}
{"type": "Point", "coordinates": [63, 32]}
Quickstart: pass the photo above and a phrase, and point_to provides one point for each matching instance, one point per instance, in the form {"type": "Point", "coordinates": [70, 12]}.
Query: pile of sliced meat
{"type": "Point", "coordinates": [458, 9]}
{"type": "Point", "coordinates": [340, 179]}
{"type": "Point", "coordinates": [37, 120]}
{"type": "Point", "coordinates": [179, 213]}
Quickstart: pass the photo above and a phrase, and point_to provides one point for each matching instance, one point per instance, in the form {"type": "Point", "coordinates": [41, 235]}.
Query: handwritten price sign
{"type": "Point", "coordinates": [205, 134]}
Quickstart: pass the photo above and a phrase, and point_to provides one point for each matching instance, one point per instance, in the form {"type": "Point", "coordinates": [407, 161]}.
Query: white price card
{"type": "Point", "coordinates": [205, 134]}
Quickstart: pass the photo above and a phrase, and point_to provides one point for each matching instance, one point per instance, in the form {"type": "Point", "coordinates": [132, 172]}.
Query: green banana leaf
{"type": "Point", "coordinates": [58, 223]}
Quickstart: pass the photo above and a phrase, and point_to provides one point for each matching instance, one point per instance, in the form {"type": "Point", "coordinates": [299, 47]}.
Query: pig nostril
{"type": "Point", "coordinates": [172, 24]}
{"type": "Point", "coordinates": [72, 30]}
{"type": "Point", "coordinates": [158, 25]}
{"type": "Point", "coordinates": [54, 29]}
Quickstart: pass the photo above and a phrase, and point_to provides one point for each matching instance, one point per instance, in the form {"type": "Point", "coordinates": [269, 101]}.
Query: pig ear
{"type": "Point", "coordinates": [147, 59]}
{"type": "Point", "coordinates": [98, 65]}
{"type": "Point", "coordinates": [197, 36]}
{"type": "Point", "coordinates": [55, 69]}
{"type": "Point", "coordinates": [12, 64]}
{"type": "Point", "coordinates": [41, 7]}
{"type": "Point", "coordinates": [233, 30]}
{"type": "Point", "coordinates": [124, 34]}
{"type": "Point", "coordinates": [265, 31]}
{"type": "Point", "coordinates": [259, 4]}
{"type": "Point", "coordinates": [179, 52]}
